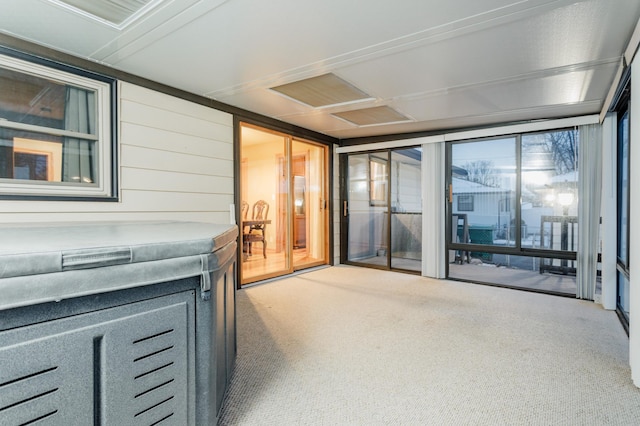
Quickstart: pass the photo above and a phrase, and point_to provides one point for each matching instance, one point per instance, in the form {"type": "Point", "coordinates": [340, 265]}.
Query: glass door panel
{"type": "Point", "coordinates": [549, 200]}
{"type": "Point", "coordinates": [483, 190]}
{"type": "Point", "coordinates": [406, 209]}
{"type": "Point", "coordinates": [367, 197]}
{"type": "Point", "coordinates": [264, 182]}
{"type": "Point", "coordinates": [310, 214]}
{"type": "Point", "coordinates": [513, 211]}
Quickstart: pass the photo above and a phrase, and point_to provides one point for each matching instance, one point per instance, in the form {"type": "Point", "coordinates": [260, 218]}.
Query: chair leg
{"type": "Point", "coordinates": [264, 248]}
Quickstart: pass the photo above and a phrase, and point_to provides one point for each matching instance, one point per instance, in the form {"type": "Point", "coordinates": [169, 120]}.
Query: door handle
{"type": "Point", "coordinates": [344, 208]}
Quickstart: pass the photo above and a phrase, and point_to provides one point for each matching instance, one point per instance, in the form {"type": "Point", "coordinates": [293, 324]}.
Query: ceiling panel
{"type": "Point", "coordinates": [562, 89]}
{"type": "Point", "coordinates": [50, 25]}
{"type": "Point", "coordinates": [456, 63]}
{"type": "Point", "coordinates": [504, 53]}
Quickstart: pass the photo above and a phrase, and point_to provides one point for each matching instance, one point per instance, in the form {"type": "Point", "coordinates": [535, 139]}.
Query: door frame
{"type": "Point", "coordinates": [327, 146]}
{"type": "Point", "coordinates": [345, 214]}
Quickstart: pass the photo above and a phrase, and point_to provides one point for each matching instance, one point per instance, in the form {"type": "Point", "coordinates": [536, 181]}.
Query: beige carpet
{"type": "Point", "coordinates": [353, 346]}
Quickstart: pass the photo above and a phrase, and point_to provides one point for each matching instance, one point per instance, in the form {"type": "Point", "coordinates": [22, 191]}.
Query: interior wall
{"type": "Point", "coordinates": [261, 178]}
{"type": "Point", "coordinates": [175, 163]}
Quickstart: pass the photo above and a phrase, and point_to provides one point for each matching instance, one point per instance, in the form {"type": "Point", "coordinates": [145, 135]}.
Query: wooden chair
{"type": "Point", "coordinates": [256, 232]}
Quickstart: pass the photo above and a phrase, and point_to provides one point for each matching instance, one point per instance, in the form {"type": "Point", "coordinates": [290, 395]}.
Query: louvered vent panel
{"type": "Point", "coordinates": [148, 355]}
{"type": "Point", "coordinates": [122, 366]}
{"type": "Point", "coordinates": [41, 383]}
{"type": "Point", "coordinates": [29, 398]}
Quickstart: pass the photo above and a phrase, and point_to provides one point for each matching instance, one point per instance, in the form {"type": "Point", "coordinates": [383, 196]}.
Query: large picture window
{"type": "Point", "coordinates": [513, 210]}
{"type": "Point", "coordinates": [623, 213]}
{"type": "Point", "coordinates": [56, 136]}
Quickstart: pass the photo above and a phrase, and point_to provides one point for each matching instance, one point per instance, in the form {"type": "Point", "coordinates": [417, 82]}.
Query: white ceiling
{"type": "Point", "coordinates": [445, 64]}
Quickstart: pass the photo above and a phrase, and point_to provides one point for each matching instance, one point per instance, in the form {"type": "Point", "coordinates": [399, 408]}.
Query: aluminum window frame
{"type": "Point", "coordinates": [517, 249]}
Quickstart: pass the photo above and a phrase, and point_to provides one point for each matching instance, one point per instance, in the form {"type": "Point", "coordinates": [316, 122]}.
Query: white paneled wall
{"type": "Point", "coordinates": [176, 163]}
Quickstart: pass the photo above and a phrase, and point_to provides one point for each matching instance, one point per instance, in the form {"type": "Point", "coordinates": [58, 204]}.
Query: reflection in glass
{"type": "Point", "coordinates": [550, 193]}
{"type": "Point", "coordinates": [378, 181]}
{"type": "Point", "coordinates": [36, 121]}
{"type": "Point", "coordinates": [42, 157]}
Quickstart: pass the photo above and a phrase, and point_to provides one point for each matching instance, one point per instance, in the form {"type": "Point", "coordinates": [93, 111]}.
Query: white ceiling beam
{"type": "Point", "coordinates": [535, 126]}
{"type": "Point", "coordinates": [632, 47]}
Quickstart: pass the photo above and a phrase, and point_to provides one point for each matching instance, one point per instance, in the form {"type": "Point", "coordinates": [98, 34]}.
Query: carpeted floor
{"type": "Point", "coordinates": [354, 346]}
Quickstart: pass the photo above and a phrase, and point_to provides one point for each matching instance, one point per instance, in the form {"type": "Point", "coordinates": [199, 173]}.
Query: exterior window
{"type": "Point", "coordinates": [378, 180]}
{"type": "Point", "coordinates": [623, 215]}
{"type": "Point", "coordinates": [55, 131]}
{"type": "Point", "coordinates": [465, 203]}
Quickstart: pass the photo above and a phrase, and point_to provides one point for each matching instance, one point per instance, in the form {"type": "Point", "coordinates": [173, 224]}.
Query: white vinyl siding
{"type": "Point", "coordinates": [175, 163]}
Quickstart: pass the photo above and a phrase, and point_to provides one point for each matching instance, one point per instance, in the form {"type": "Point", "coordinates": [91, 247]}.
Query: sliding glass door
{"type": "Point", "coordinates": [283, 204]}
{"type": "Point", "coordinates": [513, 211]}
{"type": "Point", "coordinates": [406, 209]}
{"type": "Point", "coordinates": [309, 214]}
{"type": "Point", "coordinates": [382, 209]}
{"type": "Point", "coordinates": [366, 209]}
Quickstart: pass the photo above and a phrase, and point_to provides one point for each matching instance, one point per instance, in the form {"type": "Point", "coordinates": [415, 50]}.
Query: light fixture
{"type": "Point", "coordinates": [565, 198]}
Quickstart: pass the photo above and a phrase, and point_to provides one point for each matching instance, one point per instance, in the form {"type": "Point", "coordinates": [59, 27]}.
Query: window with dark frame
{"type": "Point", "coordinates": [524, 211]}
{"type": "Point", "coordinates": [56, 138]}
{"type": "Point", "coordinates": [623, 205]}
{"type": "Point", "coordinates": [465, 203]}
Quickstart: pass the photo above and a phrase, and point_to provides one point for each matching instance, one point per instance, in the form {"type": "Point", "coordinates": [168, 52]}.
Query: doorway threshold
{"type": "Point", "coordinates": [281, 277]}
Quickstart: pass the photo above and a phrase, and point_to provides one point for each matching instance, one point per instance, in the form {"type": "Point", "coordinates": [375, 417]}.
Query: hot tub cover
{"type": "Point", "coordinates": [50, 262]}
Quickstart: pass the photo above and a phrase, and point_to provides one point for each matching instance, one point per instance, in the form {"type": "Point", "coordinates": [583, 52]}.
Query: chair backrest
{"type": "Point", "coordinates": [260, 210]}
{"type": "Point", "coordinates": [244, 211]}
